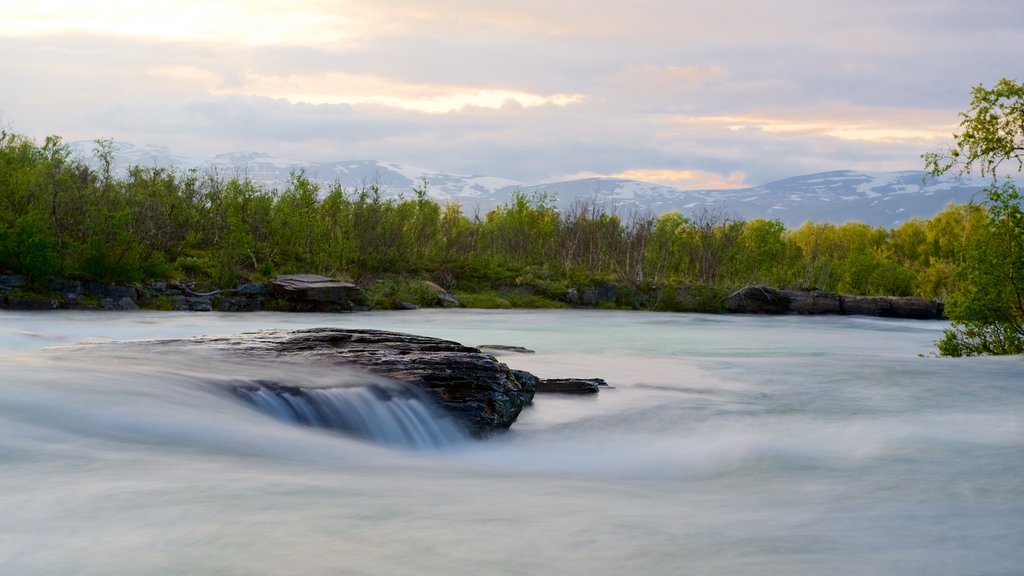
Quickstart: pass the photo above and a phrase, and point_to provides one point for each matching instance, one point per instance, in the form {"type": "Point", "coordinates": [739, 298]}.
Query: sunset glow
{"type": "Point", "coordinates": [681, 94]}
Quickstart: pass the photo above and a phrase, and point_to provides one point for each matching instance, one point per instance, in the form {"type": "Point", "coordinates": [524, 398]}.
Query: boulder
{"type": "Point", "coordinates": [442, 298]}
{"type": "Point", "coordinates": [481, 393]}
{"type": "Point", "coordinates": [313, 293]}
{"type": "Point", "coordinates": [758, 300]}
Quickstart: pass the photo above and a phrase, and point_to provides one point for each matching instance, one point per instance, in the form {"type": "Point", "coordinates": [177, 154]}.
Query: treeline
{"type": "Point", "coordinates": [60, 216]}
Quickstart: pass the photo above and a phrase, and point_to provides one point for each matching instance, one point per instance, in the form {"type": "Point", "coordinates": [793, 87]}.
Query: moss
{"type": "Point", "coordinates": [164, 303]}
{"type": "Point", "coordinates": [489, 300]}
{"type": "Point", "coordinates": [393, 293]}
{"type": "Point", "coordinates": [520, 300]}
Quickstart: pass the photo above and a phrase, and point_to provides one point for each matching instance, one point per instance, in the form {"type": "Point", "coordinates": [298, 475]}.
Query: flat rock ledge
{"type": "Point", "coordinates": [481, 393]}
{"type": "Point", "coordinates": [314, 293]}
{"type": "Point", "coordinates": [571, 385]}
{"type": "Point", "coordinates": [765, 300]}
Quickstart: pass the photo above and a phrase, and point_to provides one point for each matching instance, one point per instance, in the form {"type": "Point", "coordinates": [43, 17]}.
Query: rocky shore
{"type": "Point", "coordinates": [765, 300]}
{"type": "Point", "coordinates": [313, 293]}
{"type": "Point", "coordinates": [288, 293]}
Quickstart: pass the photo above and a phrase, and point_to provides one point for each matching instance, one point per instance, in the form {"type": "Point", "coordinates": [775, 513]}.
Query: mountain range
{"type": "Point", "coordinates": [875, 198]}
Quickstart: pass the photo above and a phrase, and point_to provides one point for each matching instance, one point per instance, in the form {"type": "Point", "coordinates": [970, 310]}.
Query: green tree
{"type": "Point", "coordinates": [987, 302]}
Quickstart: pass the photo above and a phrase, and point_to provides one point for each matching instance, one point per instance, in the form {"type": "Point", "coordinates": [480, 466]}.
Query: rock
{"type": "Point", "coordinates": [8, 281]}
{"type": "Point", "coordinates": [601, 293]}
{"type": "Point", "coordinates": [570, 385]}
{"type": "Point", "coordinates": [113, 292]}
{"type": "Point", "coordinates": [917, 308]}
{"type": "Point", "coordinates": [441, 296]}
{"type": "Point", "coordinates": [482, 394]}
{"type": "Point", "coordinates": [33, 304]}
{"type": "Point", "coordinates": [758, 300]}
{"type": "Point", "coordinates": [313, 293]}
{"type": "Point", "coordinates": [765, 300]}
{"type": "Point", "coordinates": [122, 304]}
{"type": "Point", "coordinates": [813, 302]}
{"type": "Point", "coordinates": [250, 288]}
{"type": "Point", "coordinates": [193, 303]}
{"type": "Point", "coordinates": [503, 348]}
{"type": "Point", "coordinates": [236, 303]}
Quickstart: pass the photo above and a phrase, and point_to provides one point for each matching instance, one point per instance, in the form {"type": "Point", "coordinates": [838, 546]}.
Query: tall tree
{"type": "Point", "coordinates": [987, 303]}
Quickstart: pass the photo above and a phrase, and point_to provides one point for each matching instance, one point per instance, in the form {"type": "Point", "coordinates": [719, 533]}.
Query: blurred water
{"type": "Point", "coordinates": [729, 445]}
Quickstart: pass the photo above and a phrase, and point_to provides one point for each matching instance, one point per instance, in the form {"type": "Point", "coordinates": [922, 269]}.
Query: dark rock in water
{"type": "Point", "coordinates": [313, 293]}
{"type": "Point", "coordinates": [814, 302]}
{"type": "Point", "coordinates": [765, 300]}
{"type": "Point", "coordinates": [505, 348]}
{"type": "Point", "coordinates": [482, 394]}
{"type": "Point", "coordinates": [570, 385]}
{"type": "Point", "coordinates": [893, 307]}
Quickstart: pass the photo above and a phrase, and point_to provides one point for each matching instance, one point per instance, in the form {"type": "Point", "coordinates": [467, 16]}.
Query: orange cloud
{"type": "Point", "coordinates": [923, 127]}
{"type": "Point", "coordinates": [338, 88]}
{"type": "Point", "coordinates": [678, 178]}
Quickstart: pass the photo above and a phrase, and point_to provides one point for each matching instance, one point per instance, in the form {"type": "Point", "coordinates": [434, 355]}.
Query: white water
{"type": "Point", "coordinates": [730, 445]}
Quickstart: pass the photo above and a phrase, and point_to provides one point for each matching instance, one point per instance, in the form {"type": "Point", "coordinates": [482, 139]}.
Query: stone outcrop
{"type": "Point", "coordinates": [765, 300]}
{"type": "Point", "coordinates": [481, 393]}
{"type": "Point", "coordinates": [313, 293]}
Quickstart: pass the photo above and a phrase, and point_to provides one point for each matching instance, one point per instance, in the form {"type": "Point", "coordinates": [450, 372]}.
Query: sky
{"type": "Point", "coordinates": [686, 93]}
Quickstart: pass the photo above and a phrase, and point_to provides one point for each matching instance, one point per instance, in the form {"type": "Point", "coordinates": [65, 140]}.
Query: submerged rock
{"type": "Point", "coordinates": [499, 348]}
{"type": "Point", "coordinates": [571, 385]}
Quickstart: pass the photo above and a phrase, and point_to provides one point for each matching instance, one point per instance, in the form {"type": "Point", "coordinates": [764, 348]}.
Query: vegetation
{"type": "Point", "coordinates": [986, 303]}
{"type": "Point", "coordinates": [62, 217]}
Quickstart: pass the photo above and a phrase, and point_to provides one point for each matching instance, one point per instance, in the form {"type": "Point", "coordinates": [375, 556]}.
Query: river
{"type": "Point", "coordinates": [729, 445]}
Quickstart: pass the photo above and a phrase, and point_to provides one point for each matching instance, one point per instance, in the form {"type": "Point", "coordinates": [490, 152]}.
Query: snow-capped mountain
{"type": "Point", "coordinates": [875, 198]}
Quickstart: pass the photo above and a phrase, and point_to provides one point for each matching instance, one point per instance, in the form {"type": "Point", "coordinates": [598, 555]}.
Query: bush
{"type": "Point", "coordinates": [393, 293]}
{"type": "Point", "coordinates": [486, 300]}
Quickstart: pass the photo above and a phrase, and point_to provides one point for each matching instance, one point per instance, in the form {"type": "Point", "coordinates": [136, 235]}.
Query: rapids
{"type": "Point", "coordinates": [729, 445]}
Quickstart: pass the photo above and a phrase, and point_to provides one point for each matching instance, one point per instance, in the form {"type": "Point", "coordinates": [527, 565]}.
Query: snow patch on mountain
{"type": "Point", "coordinates": [875, 198]}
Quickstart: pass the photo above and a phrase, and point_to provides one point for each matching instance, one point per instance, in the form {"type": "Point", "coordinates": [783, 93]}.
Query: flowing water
{"type": "Point", "coordinates": [729, 445]}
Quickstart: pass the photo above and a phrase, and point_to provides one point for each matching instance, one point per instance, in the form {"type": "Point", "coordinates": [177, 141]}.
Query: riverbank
{"type": "Point", "coordinates": [312, 293]}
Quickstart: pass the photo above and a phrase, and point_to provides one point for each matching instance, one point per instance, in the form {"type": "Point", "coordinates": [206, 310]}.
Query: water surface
{"type": "Point", "coordinates": [729, 445]}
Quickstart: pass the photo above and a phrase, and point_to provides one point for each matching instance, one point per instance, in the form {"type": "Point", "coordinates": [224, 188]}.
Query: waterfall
{"type": "Point", "coordinates": [396, 414]}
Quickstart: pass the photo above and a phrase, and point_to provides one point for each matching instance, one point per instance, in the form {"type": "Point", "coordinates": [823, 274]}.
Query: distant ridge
{"type": "Point", "coordinates": [875, 198]}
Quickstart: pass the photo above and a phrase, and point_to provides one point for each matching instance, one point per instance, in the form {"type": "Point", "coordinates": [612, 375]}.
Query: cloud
{"type": "Point", "coordinates": [338, 88]}
{"type": "Point", "coordinates": [674, 92]}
